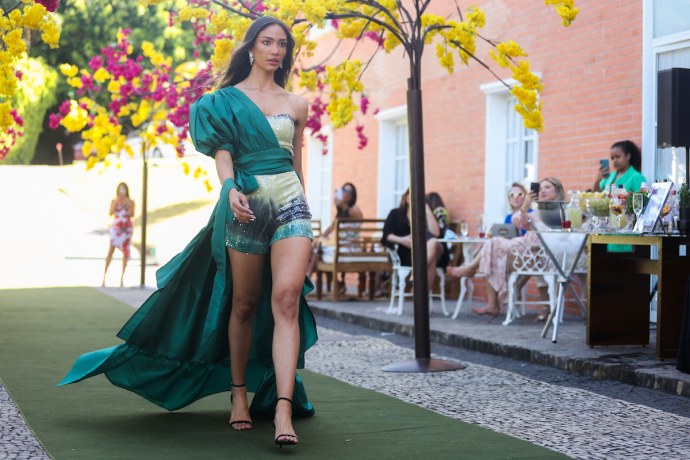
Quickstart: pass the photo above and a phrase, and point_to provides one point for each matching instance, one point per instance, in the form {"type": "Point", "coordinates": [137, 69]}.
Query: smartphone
{"type": "Point", "coordinates": [604, 164]}
{"type": "Point", "coordinates": [534, 188]}
{"type": "Point", "coordinates": [339, 194]}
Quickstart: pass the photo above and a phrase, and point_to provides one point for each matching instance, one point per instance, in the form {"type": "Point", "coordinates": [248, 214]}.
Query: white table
{"type": "Point", "coordinates": [564, 248]}
{"type": "Point", "coordinates": [470, 248]}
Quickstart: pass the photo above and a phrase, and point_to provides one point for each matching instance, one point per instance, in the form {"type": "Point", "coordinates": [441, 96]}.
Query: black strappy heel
{"type": "Point", "coordinates": [292, 439]}
{"type": "Point", "coordinates": [237, 422]}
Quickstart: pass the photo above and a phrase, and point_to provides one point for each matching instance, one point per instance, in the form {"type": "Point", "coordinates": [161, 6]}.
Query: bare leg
{"type": "Point", "coordinates": [466, 270]}
{"type": "Point", "coordinates": [433, 253]}
{"type": "Point", "coordinates": [246, 292]}
{"type": "Point", "coordinates": [124, 267]}
{"type": "Point", "coordinates": [543, 295]}
{"type": "Point", "coordinates": [288, 257]}
{"type": "Point", "coordinates": [493, 309]}
{"type": "Point", "coordinates": [108, 258]}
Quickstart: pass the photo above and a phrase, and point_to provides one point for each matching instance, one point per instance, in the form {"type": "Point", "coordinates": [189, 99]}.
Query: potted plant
{"type": "Point", "coordinates": [684, 209]}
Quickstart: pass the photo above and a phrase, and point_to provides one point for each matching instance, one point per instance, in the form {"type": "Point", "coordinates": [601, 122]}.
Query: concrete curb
{"type": "Point", "coordinates": [597, 368]}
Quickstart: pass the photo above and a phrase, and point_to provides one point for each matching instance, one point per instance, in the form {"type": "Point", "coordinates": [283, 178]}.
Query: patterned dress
{"type": "Point", "coordinates": [494, 260]}
{"type": "Point", "coordinates": [121, 230]}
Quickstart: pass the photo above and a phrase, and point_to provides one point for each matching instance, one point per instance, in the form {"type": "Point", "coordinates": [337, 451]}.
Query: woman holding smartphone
{"type": "Point", "coordinates": [626, 160]}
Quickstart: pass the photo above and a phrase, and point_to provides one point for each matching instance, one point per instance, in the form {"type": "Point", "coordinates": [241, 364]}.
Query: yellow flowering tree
{"type": "Point", "coordinates": [393, 24]}
{"type": "Point", "coordinates": [19, 17]}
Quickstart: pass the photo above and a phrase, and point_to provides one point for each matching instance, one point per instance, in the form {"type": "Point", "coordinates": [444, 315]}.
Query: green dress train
{"type": "Point", "coordinates": [175, 348]}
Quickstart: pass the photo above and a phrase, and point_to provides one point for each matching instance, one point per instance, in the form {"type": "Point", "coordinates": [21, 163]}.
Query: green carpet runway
{"type": "Point", "coordinates": [42, 331]}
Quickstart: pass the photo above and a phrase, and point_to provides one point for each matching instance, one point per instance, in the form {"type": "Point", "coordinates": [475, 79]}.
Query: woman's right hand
{"type": "Point", "coordinates": [240, 206]}
{"type": "Point", "coordinates": [601, 172]}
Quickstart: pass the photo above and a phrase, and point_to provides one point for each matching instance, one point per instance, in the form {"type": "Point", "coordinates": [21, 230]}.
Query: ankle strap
{"type": "Point", "coordinates": [285, 399]}
{"type": "Point", "coordinates": [239, 386]}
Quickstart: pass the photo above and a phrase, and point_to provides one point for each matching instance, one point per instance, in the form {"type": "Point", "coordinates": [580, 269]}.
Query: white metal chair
{"type": "Point", "coordinates": [399, 274]}
{"type": "Point", "coordinates": [531, 261]}
{"type": "Point", "coordinates": [469, 251]}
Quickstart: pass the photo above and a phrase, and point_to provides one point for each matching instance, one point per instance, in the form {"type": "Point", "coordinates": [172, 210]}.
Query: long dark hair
{"type": "Point", "coordinates": [117, 190]}
{"type": "Point", "coordinates": [239, 67]}
{"type": "Point", "coordinates": [351, 202]}
{"type": "Point", "coordinates": [434, 200]}
{"type": "Point", "coordinates": [403, 205]}
{"type": "Point", "coordinates": [630, 148]}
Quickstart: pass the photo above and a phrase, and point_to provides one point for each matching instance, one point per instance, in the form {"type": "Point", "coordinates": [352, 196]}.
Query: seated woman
{"type": "Point", "coordinates": [626, 159]}
{"type": "Point", "coordinates": [396, 230]}
{"type": "Point", "coordinates": [439, 211]}
{"type": "Point", "coordinates": [495, 259]}
{"type": "Point", "coordinates": [442, 216]}
{"type": "Point", "coordinates": [345, 208]}
{"type": "Point", "coordinates": [518, 200]}
{"type": "Point", "coordinates": [345, 199]}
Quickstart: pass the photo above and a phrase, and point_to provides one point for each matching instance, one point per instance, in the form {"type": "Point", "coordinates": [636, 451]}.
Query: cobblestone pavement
{"type": "Point", "coordinates": [17, 441]}
{"type": "Point", "coordinates": [577, 422]}
{"type": "Point", "coordinates": [666, 402]}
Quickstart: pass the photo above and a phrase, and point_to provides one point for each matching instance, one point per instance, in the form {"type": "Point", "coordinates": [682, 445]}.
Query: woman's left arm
{"type": "Point", "coordinates": [302, 110]}
{"type": "Point", "coordinates": [431, 222]}
{"type": "Point", "coordinates": [131, 208]}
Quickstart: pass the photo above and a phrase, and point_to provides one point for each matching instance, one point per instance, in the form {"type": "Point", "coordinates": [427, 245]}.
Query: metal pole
{"type": "Point", "coordinates": [144, 194]}
{"type": "Point", "coordinates": [422, 361]}
{"type": "Point", "coordinates": [418, 224]}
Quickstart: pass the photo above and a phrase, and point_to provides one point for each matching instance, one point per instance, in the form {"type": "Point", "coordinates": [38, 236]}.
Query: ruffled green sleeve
{"type": "Point", "coordinates": [212, 125]}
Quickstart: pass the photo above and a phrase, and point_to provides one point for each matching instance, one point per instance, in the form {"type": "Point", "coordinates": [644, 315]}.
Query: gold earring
{"type": "Point", "coordinates": [251, 58]}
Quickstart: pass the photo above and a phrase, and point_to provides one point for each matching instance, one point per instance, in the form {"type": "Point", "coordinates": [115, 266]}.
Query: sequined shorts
{"type": "Point", "coordinates": [281, 211]}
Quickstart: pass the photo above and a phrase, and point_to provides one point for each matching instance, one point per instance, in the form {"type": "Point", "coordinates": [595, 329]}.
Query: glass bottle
{"type": "Point", "coordinates": [573, 211]}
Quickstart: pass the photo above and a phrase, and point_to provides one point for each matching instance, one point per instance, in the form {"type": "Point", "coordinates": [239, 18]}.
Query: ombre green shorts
{"type": "Point", "coordinates": [281, 211]}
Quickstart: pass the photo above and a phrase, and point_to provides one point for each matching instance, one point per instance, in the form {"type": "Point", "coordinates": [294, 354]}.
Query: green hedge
{"type": "Point", "coordinates": [36, 93]}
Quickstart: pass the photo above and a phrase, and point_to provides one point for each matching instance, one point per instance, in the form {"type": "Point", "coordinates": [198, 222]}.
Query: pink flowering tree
{"type": "Point", "coordinates": [146, 95]}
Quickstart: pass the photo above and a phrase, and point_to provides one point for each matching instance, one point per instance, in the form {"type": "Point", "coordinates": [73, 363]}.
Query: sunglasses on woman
{"type": "Point", "coordinates": [516, 195]}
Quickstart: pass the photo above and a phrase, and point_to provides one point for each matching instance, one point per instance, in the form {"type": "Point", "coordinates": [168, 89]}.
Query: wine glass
{"type": "Point", "coordinates": [464, 229]}
{"type": "Point", "coordinates": [617, 215]}
{"type": "Point", "coordinates": [637, 205]}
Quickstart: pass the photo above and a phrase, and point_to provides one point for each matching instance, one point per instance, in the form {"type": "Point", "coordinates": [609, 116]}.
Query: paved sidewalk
{"type": "Point", "coordinates": [522, 340]}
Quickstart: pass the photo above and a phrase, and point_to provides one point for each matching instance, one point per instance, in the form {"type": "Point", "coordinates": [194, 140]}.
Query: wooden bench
{"type": "Point", "coordinates": [357, 249]}
{"type": "Point", "coordinates": [316, 228]}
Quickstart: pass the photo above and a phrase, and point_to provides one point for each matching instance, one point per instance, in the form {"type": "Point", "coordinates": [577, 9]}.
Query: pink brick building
{"type": "Point", "coordinates": [600, 87]}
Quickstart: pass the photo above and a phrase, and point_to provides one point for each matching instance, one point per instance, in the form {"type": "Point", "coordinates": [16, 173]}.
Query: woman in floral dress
{"type": "Point", "coordinates": [495, 259]}
{"type": "Point", "coordinates": [122, 208]}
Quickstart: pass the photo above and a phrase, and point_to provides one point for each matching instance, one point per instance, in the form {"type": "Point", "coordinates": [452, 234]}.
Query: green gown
{"type": "Point", "coordinates": [175, 348]}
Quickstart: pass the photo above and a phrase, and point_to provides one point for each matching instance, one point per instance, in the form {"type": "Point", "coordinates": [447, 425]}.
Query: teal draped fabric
{"type": "Point", "coordinates": [175, 348]}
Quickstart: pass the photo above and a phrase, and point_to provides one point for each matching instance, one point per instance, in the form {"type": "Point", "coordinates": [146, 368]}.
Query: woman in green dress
{"type": "Point", "coordinates": [626, 160]}
{"type": "Point", "coordinates": [241, 282]}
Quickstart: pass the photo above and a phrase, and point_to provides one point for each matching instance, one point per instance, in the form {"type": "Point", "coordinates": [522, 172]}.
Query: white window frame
{"type": "Point", "coordinates": [320, 177]}
{"type": "Point", "coordinates": [651, 48]}
{"type": "Point", "coordinates": [389, 120]}
{"type": "Point", "coordinates": [496, 174]}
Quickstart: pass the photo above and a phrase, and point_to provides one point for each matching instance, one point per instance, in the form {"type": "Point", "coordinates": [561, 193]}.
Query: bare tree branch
{"type": "Point", "coordinates": [366, 66]}
{"type": "Point", "coordinates": [457, 7]}
{"type": "Point", "coordinates": [324, 60]}
{"type": "Point", "coordinates": [482, 64]}
{"type": "Point", "coordinates": [355, 14]}
{"type": "Point", "coordinates": [251, 15]}
{"type": "Point", "coordinates": [12, 8]}
{"type": "Point", "coordinates": [403, 11]}
{"type": "Point", "coordinates": [380, 7]}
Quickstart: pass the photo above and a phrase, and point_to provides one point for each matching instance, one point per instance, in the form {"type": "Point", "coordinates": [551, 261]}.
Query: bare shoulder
{"type": "Point", "coordinates": [299, 104]}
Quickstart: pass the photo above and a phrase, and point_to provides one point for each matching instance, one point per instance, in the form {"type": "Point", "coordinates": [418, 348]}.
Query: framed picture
{"type": "Point", "coordinates": [657, 199]}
